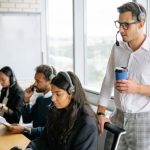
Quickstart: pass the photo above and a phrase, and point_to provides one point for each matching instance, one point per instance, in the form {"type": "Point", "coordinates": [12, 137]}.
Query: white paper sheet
{"type": "Point", "coordinates": [3, 121]}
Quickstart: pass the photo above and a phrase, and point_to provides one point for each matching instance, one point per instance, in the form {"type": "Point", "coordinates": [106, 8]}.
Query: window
{"type": "Point", "coordinates": [94, 36]}
{"type": "Point", "coordinates": [60, 34]}
{"type": "Point", "coordinates": [101, 35]}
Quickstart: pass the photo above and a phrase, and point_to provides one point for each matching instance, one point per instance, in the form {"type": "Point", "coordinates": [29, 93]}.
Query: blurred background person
{"type": "Point", "coordinates": [37, 112]}
{"type": "Point", "coordinates": [11, 97]}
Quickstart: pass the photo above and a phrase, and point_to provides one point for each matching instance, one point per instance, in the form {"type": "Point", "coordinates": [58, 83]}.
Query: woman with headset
{"type": "Point", "coordinates": [72, 124]}
{"type": "Point", "coordinates": [11, 97]}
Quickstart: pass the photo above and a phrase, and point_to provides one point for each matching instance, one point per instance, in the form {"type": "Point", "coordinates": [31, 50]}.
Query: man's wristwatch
{"type": "Point", "coordinates": [100, 113]}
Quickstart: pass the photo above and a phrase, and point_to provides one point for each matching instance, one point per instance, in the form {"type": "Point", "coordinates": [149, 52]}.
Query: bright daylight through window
{"type": "Point", "coordinates": [60, 34]}
{"type": "Point", "coordinates": [101, 32]}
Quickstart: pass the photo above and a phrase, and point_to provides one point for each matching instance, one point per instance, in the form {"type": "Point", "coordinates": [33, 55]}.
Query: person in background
{"type": "Point", "coordinates": [36, 113]}
{"type": "Point", "coordinates": [131, 95]}
{"type": "Point", "coordinates": [11, 97]}
{"type": "Point", "coordinates": [72, 124]}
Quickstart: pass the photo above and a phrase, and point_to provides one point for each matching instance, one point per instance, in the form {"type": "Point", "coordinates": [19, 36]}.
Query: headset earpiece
{"type": "Point", "coordinates": [140, 15]}
{"type": "Point", "coordinates": [14, 79]}
{"type": "Point", "coordinates": [71, 88]}
{"type": "Point", "coordinates": [52, 73]}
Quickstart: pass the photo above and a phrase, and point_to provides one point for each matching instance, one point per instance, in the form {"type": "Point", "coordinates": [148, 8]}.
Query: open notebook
{"type": "Point", "coordinates": [3, 121]}
{"type": "Point", "coordinates": [117, 131]}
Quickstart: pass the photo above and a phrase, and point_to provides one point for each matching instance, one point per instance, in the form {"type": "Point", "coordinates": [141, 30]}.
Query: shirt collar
{"type": "Point", "coordinates": [145, 45]}
{"type": "Point", "coordinates": [47, 95]}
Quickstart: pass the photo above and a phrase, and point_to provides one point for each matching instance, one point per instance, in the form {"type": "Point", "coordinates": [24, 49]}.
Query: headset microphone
{"type": "Point", "coordinates": [117, 42]}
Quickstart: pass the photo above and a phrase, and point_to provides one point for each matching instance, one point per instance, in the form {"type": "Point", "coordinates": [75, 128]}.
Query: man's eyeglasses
{"type": "Point", "coordinates": [124, 25]}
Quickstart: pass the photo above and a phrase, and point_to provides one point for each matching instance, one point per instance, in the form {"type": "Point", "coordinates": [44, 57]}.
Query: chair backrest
{"type": "Point", "coordinates": [117, 131]}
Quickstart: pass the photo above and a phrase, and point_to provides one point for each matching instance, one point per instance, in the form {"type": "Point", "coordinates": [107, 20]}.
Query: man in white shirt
{"type": "Point", "coordinates": [132, 95]}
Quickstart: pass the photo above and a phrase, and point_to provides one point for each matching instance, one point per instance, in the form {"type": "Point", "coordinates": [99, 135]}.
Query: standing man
{"type": "Point", "coordinates": [37, 114]}
{"type": "Point", "coordinates": [131, 96]}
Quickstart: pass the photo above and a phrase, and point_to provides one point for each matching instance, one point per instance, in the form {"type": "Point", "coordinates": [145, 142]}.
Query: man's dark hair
{"type": "Point", "coordinates": [135, 8]}
{"type": "Point", "coordinates": [46, 70]}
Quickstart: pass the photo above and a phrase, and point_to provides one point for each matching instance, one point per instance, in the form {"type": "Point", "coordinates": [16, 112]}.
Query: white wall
{"type": "Point", "coordinates": [20, 5]}
{"type": "Point", "coordinates": [21, 36]}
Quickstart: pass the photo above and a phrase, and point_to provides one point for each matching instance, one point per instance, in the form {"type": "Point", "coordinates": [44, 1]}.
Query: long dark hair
{"type": "Point", "coordinates": [9, 72]}
{"type": "Point", "coordinates": [62, 121]}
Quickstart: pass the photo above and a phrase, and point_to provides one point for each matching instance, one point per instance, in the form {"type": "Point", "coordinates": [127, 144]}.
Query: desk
{"type": "Point", "coordinates": [8, 140]}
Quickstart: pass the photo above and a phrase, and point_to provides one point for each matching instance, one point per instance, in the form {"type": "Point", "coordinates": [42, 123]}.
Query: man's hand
{"type": "Point", "coordinates": [127, 86]}
{"type": "Point", "coordinates": [4, 108]}
{"type": "Point", "coordinates": [28, 93]}
{"type": "Point", "coordinates": [16, 128]}
{"type": "Point", "coordinates": [101, 120]}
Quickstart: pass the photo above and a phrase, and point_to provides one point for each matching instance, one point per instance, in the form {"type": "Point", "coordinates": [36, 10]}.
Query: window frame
{"type": "Point", "coordinates": [79, 41]}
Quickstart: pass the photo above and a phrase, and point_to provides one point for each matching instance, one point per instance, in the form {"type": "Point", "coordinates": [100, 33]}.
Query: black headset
{"type": "Point", "coordinates": [52, 75]}
{"type": "Point", "coordinates": [71, 88]}
{"type": "Point", "coordinates": [13, 78]}
{"type": "Point", "coordinates": [140, 15]}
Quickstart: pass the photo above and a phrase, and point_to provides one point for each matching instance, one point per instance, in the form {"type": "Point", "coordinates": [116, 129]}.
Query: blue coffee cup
{"type": "Point", "coordinates": [121, 73]}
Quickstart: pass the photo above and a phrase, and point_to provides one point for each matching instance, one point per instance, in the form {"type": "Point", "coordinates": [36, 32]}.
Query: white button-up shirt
{"type": "Point", "coordinates": [138, 65]}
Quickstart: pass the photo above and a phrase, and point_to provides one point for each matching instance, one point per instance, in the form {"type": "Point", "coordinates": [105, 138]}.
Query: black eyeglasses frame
{"type": "Point", "coordinates": [124, 25]}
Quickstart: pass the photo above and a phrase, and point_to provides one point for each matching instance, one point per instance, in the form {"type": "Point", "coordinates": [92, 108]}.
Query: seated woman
{"type": "Point", "coordinates": [72, 124]}
{"type": "Point", "coordinates": [11, 97]}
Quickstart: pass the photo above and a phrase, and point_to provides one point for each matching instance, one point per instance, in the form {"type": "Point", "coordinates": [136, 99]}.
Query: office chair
{"type": "Point", "coordinates": [117, 131]}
